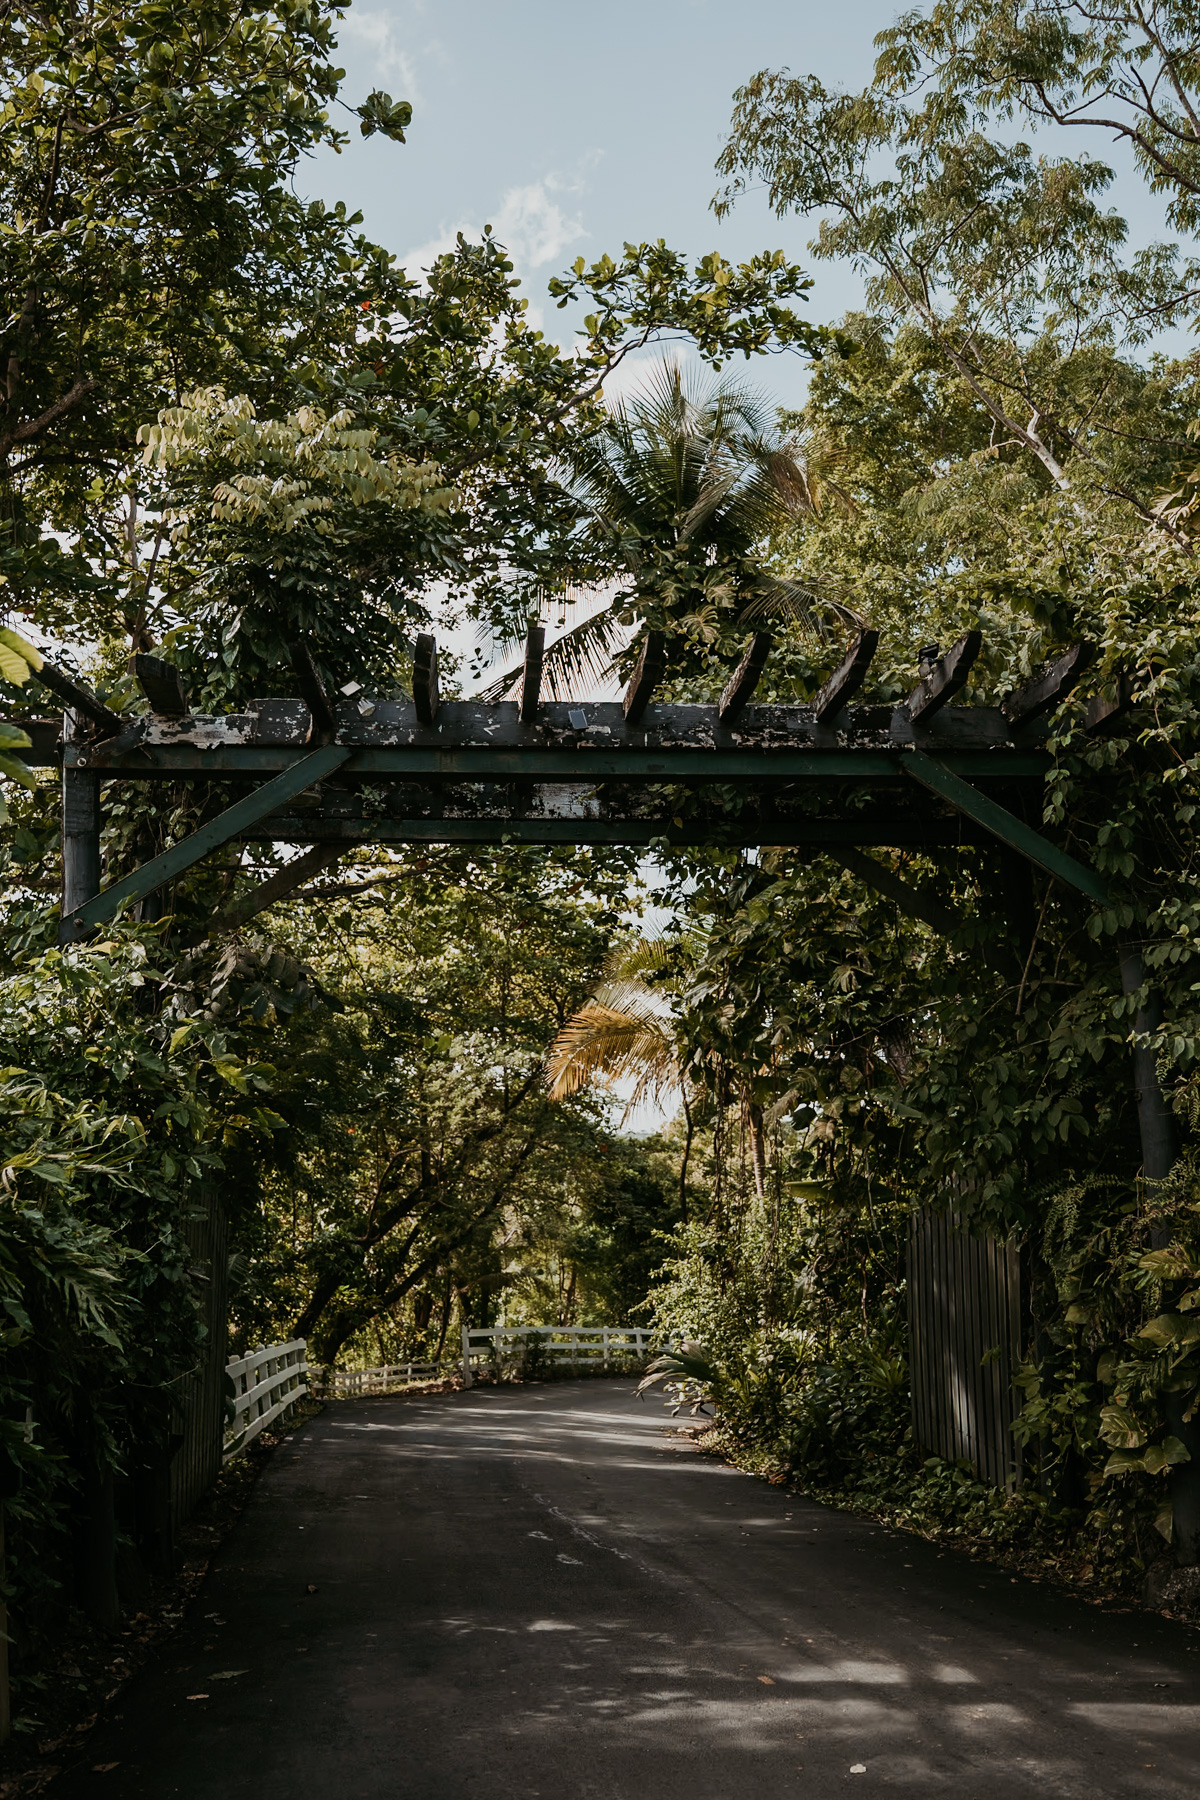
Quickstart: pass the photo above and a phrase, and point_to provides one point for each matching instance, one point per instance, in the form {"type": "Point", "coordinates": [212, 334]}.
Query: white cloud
{"type": "Point", "coordinates": [530, 221]}
{"type": "Point", "coordinates": [374, 35]}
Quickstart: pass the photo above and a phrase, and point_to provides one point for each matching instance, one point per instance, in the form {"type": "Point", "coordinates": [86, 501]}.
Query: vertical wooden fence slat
{"type": "Point", "coordinates": [964, 1305]}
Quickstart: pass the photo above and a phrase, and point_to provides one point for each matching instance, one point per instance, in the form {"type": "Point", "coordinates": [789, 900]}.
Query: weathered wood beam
{"type": "Point", "coordinates": [945, 679]}
{"type": "Point", "coordinates": [531, 676]}
{"type": "Point", "coordinates": [918, 903]}
{"type": "Point", "coordinates": [745, 677]}
{"type": "Point", "coordinates": [162, 685]}
{"type": "Point", "coordinates": [283, 882]}
{"type": "Point", "coordinates": [314, 691]}
{"type": "Point", "coordinates": [426, 696]}
{"type": "Point", "coordinates": [79, 699]}
{"type": "Point", "coordinates": [1103, 715]}
{"type": "Point", "coordinates": [846, 679]}
{"type": "Point", "coordinates": [933, 774]}
{"type": "Point", "coordinates": [646, 676]}
{"type": "Point", "coordinates": [1051, 686]}
{"type": "Point", "coordinates": [236, 819]}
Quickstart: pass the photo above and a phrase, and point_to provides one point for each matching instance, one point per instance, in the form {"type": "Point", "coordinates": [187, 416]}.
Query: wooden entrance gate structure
{"type": "Point", "coordinates": [335, 772]}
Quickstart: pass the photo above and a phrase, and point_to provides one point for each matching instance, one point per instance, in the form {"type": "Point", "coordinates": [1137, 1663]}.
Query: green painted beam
{"type": "Point", "coordinates": [307, 828]}
{"type": "Point", "coordinates": [235, 820]}
{"type": "Point", "coordinates": [586, 763]}
{"type": "Point", "coordinates": [932, 773]}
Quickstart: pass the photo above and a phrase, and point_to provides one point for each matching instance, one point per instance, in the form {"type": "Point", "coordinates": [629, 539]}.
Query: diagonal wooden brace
{"type": "Point", "coordinates": [239, 817]}
{"type": "Point", "coordinates": [1005, 825]}
{"type": "Point", "coordinates": [277, 886]}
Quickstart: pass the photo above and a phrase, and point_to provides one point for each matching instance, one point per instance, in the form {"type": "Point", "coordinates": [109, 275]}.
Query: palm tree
{"type": "Point", "coordinates": [680, 489]}
{"type": "Point", "coordinates": [627, 1030]}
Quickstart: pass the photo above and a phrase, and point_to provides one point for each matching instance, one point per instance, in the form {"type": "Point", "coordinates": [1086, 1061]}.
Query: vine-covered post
{"type": "Point", "coordinates": [80, 830]}
{"type": "Point", "coordinates": [1156, 1126]}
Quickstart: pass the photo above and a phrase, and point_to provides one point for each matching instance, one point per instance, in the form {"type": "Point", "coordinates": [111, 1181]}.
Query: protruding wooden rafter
{"type": "Point", "coordinates": [314, 692]}
{"type": "Point", "coordinates": [426, 697]}
{"type": "Point", "coordinates": [847, 678]}
{"type": "Point", "coordinates": [161, 683]}
{"type": "Point", "coordinates": [745, 677]}
{"type": "Point", "coordinates": [531, 675]}
{"type": "Point", "coordinates": [948, 675]}
{"type": "Point", "coordinates": [646, 676]}
{"type": "Point", "coordinates": [1051, 686]}
{"type": "Point", "coordinates": [78, 699]}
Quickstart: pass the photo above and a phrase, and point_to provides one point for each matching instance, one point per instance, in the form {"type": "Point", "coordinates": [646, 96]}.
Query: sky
{"type": "Point", "coordinates": [571, 129]}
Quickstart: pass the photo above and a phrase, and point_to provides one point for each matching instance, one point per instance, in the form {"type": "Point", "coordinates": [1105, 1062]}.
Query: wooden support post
{"type": "Point", "coordinates": [945, 679]}
{"type": "Point", "coordinates": [80, 830]}
{"type": "Point", "coordinates": [846, 679]}
{"type": "Point", "coordinates": [646, 676]}
{"type": "Point", "coordinates": [426, 697]}
{"type": "Point", "coordinates": [466, 1354]}
{"type": "Point", "coordinates": [160, 682]}
{"type": "Point", "coordinates": [1051, 686]}
{"type": "Point", "coordinates": [531, 677]}
{"type": "Point", "coordinates": [236, 819]}
{"type": "Point", "coordinates": [745, 677]}
{"type": "Point", "coordinates": [283, 881]}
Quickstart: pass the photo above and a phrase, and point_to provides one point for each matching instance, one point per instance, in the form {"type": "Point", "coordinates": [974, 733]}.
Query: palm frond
{"type": "Point", "coordinates": [602, 1044]}
{"type": "Point", "coordinates": [585, 652]}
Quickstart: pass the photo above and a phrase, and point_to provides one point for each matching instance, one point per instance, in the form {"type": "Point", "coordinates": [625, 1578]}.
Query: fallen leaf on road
{"type": "Point", "coordinates": [573, 1560]}
{"type": "Point", "coordinates": [228, 1674]}
{"type": "Point", "coordinates": [197, 1696]}
{"type": "Point", "coordinates": [103, 1768]}
{"type": "Point", "coordinates": [858, 1768]}
{"type": "Point", "coordinates": [313, 1588]}
{"type": "Point", "coordinates": [767, 1680]}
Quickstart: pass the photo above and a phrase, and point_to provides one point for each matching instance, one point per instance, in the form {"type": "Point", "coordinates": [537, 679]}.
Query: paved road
{"type": "Point", "coordinates": [537, 1593]}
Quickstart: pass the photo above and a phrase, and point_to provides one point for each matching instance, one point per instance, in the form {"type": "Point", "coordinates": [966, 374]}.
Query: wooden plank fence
{"type": "Point", "coordinates": [338, 1383]}
{"type": "Point", "coordinates": [266, 1384]}
{"type": "Point", "coordinates": [196, 1462]}
{"type": "Point", "coordinates": [964, 1313]}
{"type": "Point", "coordinates": [497, 1347]}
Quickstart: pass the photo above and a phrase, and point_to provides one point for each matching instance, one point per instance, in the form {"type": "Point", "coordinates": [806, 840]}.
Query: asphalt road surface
{"type": "Point", "coordinates": [540, 1593]}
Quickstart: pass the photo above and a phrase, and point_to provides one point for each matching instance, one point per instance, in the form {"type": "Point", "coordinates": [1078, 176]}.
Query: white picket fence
{"type": "Point", "coordinates": [384, 1379]}
{"type": "Point", "coordinates": [265, 1384]}
{"type": "Point", "coordinates": [494, 1348]}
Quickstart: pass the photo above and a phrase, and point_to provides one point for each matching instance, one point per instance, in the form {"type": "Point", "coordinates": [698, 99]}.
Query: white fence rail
{"type": "Point", "coordinates": [339, 1382]}
{"type": "Point", "coordinates": [265, 1384]}
{"type": "Point", "coordinates": [528, 1346]}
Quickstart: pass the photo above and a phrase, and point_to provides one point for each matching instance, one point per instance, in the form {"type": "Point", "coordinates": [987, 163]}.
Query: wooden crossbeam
{"type": "Point", "coordinates": [646, 676]}
{"type": "Point", "coordinates": [847, 678]}
{"type": "Point", "coordinates": [79, 699]}
{"type": "Point", "coordinates": [932, 773]}
{"type": "Point", "coordinates": [283, 882]}
{"type": "Point", "coordinates": [232, 823]}
{"type": "Point", "coordinates": [745, 677]}
{"type": "Point", "coordinates": [161, 683]}
{"type": "Point", "coordinates": [426, 697]}
{"type": "Point", "coordinates": [531, 676]}
{"type": "Point", "coordinates": [945, 679]}
{"type": "Point", "coordinates": [1051, 686]}
{"type": "Point", "coordinates": [314, 692]}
